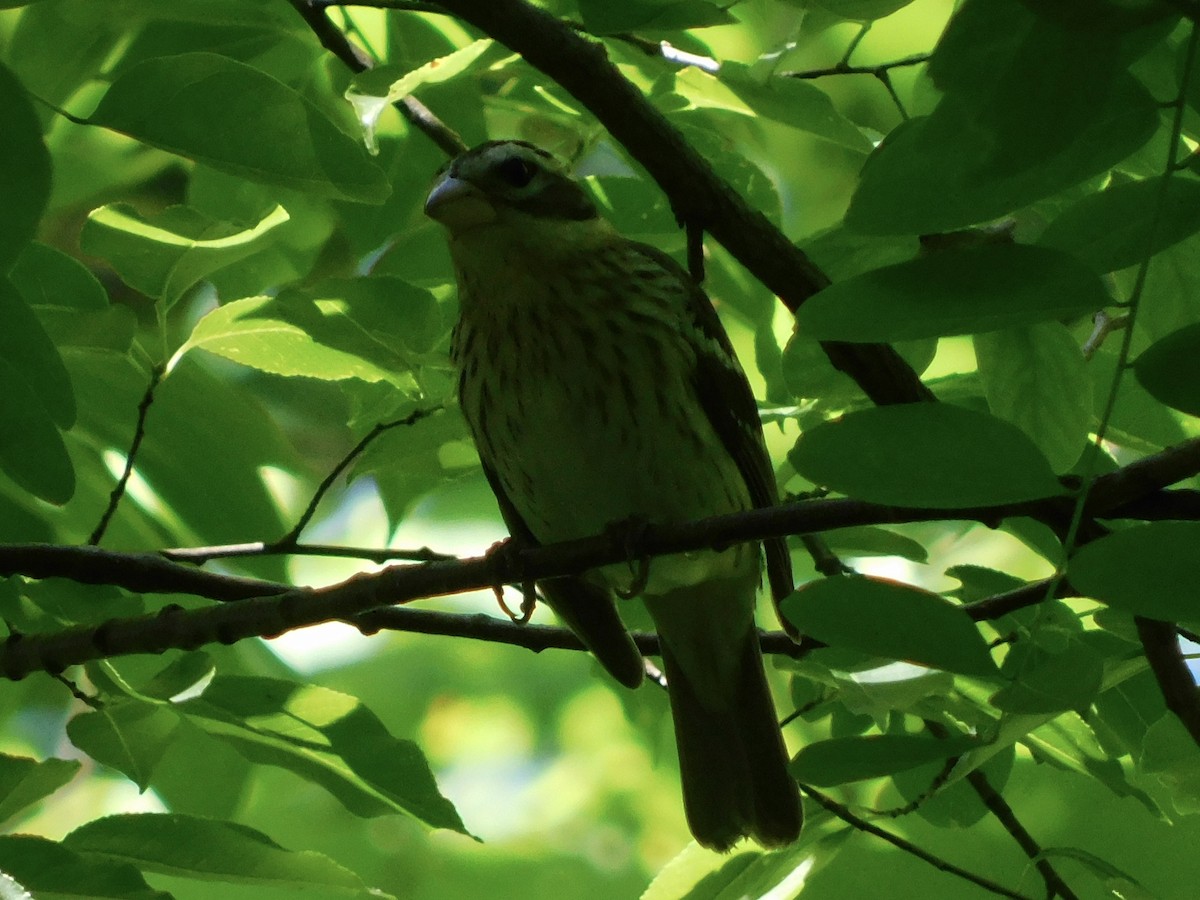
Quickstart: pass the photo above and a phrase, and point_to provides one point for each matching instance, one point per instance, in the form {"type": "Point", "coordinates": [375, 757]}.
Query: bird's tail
{"type": "Point", "coordinates": [732, 759]}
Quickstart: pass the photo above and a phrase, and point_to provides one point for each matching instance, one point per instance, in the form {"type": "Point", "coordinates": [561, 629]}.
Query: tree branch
{"type": "Point", "coordinates": [895, 840]}
{"type": "Point", "coordinates": [269, 608]}
{"type": "Point", "coordinates": [998, 807]}
{"type": "Point", "coordinates": [416, 112]}
{"type": "Point", "coordinates": [1160, 643]}
{"type": "Point", "coordinates": [139, 432]}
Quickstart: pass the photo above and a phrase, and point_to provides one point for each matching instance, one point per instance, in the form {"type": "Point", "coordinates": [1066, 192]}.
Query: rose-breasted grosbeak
{"type": "Point", "coordinates": [600, 388]}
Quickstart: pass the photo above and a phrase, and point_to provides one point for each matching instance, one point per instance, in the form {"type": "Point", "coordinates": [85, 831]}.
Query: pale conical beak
{"type": "Point", "coordinates": [458, 204]}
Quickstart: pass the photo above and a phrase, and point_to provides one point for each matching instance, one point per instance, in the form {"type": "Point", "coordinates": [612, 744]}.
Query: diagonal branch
{"type": "Point", "coordinates": [416, 112]}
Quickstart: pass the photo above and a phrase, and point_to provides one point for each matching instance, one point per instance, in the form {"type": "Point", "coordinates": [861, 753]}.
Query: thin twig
{"type": "Point", "coordinates": [907, 846]}
{"type": "Point", "coordinates": [999, 807]}
{"type": "Point", "coordinates": [139, 432]}
{"type": "Point", "coordinates": [416, 112]}
{"type": "Point", "coordinates": [289, 540]}
{"type": "Point", "coordinates": [843, 68]}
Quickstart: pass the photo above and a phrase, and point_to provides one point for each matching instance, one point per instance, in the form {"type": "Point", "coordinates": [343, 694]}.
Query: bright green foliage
{"type": "Point", "coordinates": [199, 196]}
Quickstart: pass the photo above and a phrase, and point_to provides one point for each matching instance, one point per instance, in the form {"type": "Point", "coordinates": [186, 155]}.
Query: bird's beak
{"type": "Point", "coordinates": [458, 204]}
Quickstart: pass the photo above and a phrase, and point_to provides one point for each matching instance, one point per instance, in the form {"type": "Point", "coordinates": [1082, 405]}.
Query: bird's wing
{"type": "Point", "coordinates": [728, 401]}
{"type": "Point", "coordinates": [588, 610]}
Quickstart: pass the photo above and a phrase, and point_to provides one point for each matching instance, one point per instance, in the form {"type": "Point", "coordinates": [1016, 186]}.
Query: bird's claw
{"type": "Point", "coordinates": [630, 533]}
{"type": "Point", "coordinates": [507, 553]}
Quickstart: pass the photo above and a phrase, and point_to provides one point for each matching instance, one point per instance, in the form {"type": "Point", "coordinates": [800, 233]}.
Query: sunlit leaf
{"type": "Point", "coordinates": [164, 255]}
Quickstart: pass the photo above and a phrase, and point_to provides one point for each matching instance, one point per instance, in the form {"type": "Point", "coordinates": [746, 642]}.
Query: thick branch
{"type": "Point", "coordinates": [1161, 646]}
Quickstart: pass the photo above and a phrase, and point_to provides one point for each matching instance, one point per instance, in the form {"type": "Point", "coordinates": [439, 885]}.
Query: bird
{"type": "Point", "coordinates": [600, 388]}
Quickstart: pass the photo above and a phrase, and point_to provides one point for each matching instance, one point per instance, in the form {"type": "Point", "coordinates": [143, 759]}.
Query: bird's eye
{"type": "Point", "coordinates": [516, 171]}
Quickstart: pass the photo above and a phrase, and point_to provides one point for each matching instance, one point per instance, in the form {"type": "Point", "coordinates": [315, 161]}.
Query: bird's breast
{"type": "Point", "coordinates": [582, 401]}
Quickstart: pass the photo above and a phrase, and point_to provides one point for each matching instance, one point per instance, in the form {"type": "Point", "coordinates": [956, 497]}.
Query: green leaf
{"type": "Point", "coordinates": [181, 674]}
{"type": "Point", "coordinates": [700, 874]}
{"type": "Point", "coordinates": [165, 254]}
{"type": "Point", "coordinates": [1149, 570]}
{"type": "Point", "coordinates": [24, 169]}
{"type": "Point", "coordinates": [1046, 680]}
{"type": "Point", "coordinates": [978, 582]}
{"type": "Point", "coordinates": [1111, 229]}
{"type": "Point", "coordinates": [1170, 370]}
{"type": "Point", "coordinates": [26, 347]}
{"type": "Point", "coordinates": [924, 454]}
{"type": "Point", "coordinates": [50, 871]}
{"type": "Point", "coordinates": [1170, 756]}
{"type": "Point", "coordinates": [190, 847]}
{"type": "Point", "coordinates": [44, 276]}
{"type": "Point", "coordinates": [1036, 378]}
{"type": "Point", "coordinates": [128, 735]}
{"type": "Point", "coordinates": [32, 452]}
{"type": "Point", "coordinates": [890, 619]}
{"type": "Point", "coordinates": [1045, 109]}
{"type": "Point", "coordinates": [24, 782]}
{"type": "Point", "coordinates": [375, 90]}
{"type": "Point", "coordinates": [1118, 882]}
{"type": "Point", "coordinates": [870, 541]}
{"type": "Point", "coordinates": [861, 10]}
{"type": "Point", "coordinates": [793, 102]}
{"type": "Point", "coordinates": [235, 118]}
{"type": "Point", "coordinates": [955, 292]}
{"type": "Point", "coordinates": [613, 16]}
{"type": "Point", "coordinates": [111, 328]}
{"type": "Point", "coordinates": [843, 760]}
{"type": "Point", "coordinates": [326, 737]}
{"type": "Point", "coordinates": [295, 335]}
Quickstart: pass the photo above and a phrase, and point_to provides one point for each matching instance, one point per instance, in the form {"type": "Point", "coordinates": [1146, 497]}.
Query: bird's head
{"type": "Point", "coordinates": [509, 187]}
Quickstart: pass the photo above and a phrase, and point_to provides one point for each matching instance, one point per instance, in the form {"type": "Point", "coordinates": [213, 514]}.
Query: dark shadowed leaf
{"type": "Point", "coordinates": [208, 850]}
{"type": "Point", "coordinates": [955, 292]}
{"type": "Point", "coordinates": [890, 619]}
{"type": "Point", "coordinates": [842, 760]}
{"type": "Point", "coordinates": [24, 169]}
{"type": "Point", "coordinates": [1111, 230]}
{"type": "Point", "coordinates": [235, 118]}
{"type": "Point", "coordinates": [49, 870]}
{"type": "Point", "coordinates": [24, 782]}
{"type": "Point", "coordinates": [327, 737]}
{"type": "Point", "coordinates": [1036, 378]}
{"type": "Point", "coordinates": [1151, 570]}
{"type": "Point", "coordinates": [128, 735]}
{"type": "Point", "coordinates": [26, 347]}
{"type": "Point", "coordinates": [930, 455]}
{"type": "Point", "coordinates": [1170, 370]}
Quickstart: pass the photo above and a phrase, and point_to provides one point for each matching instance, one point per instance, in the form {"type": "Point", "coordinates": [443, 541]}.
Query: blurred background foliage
{"type": "Point", "coordinates": [188, 186]}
